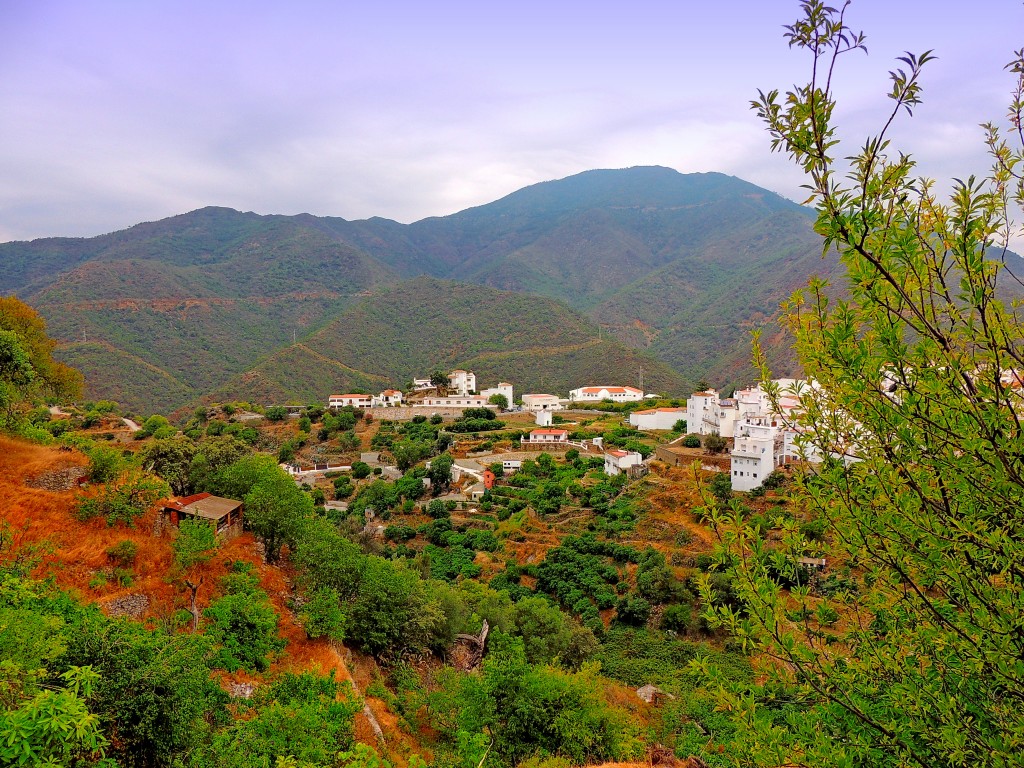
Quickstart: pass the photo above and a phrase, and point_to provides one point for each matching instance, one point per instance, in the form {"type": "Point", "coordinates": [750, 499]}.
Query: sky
{"type": "Point", "coordinates": [113, 113]}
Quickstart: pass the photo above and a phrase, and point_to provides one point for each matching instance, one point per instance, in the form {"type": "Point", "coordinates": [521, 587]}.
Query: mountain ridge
{"type": "Point", "coordinates": [677, 266]}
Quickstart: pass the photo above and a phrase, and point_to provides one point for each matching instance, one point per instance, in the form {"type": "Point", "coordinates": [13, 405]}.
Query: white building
{"type": "Point", "coordinates": [756, 452]}
{"type": "Point", "coordinates": [509, 466]}
{"type": "Point", "coordinates": [548, 436]}
{"type": "Point", "coordinates": [706, 413]}
{"type": "Point", "coordinates": [461, 382]}
{"type": "Point", "coordinates": [355, 400]}
{"type": "Point", "coordinates": [766, 434]}
{"type": "Point", "coordinates": [455, 401]}
{"type": "Point", "coordinates": [657, 418]}
{"type": "Point", "coordinates": [617, 461]}
{"type": "Point", "coordinates": [389, 398]}
{"type": "Point", "coordinates": [597, 394]}
{"type": "Point", "coordinates": [544, 418]}
{"type": "Point", "coordinates": [419, 385]}
{"type": "Point", "coordinates": [541, 403]}
{"type": "Point", "coordinates": [503, 388]}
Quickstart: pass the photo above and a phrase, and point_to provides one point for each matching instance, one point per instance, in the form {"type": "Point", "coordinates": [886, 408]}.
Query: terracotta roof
{"type": "Point", "coordinates": [184, 501]}
{"type": "Point", "coordinates": [549, 432]}
{"type": "Point", "coordinates": [537, 394]}
{"type": "Point", "coordinates": [334, 397]}
{"type": "Point", "coordinates": [390, 392]}
{"type": "Point", "coordinates": [618, 454]}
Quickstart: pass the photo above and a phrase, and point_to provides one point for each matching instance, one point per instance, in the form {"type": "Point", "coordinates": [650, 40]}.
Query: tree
{"type": "Point", "coordinates": [440, 472]}
{"type": "Point", "coordinates": [499, 400]}
{"type": "Point", "coordinates": [171, 459]}
{"type": "Point", "coordinates": [274, 510]}
{"type": "Point", "coordinates": [916, 370]}
{"type": "Point", "coordinates": [193, 546]}
{"type": "Point", "coordinates": [714, 443]}
{"type": "Point", "coordinates": [28, 371]}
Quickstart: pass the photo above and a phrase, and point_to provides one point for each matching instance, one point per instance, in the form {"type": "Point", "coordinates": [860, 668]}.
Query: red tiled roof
{"type": "Point", "coordinates": [612, 390]}
{"type": "Point", "coordinates": [549, 432]}
{"type": "Point", "coordinates": [184, 501]}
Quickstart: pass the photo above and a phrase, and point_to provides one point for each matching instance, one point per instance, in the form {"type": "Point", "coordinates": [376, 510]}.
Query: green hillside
{"type": "Point", "coordinates": [420, 325]}
{"type": "Point", "coordinates": [680, 267]}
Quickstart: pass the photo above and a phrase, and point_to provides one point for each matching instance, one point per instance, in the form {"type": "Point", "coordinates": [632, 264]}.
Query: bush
{"type": "Point", "coordinates": [123, 553]}
{"type": "Point", "coordinates": [360, 470]}
{"type": "Point", "coordinates": [104, 464]}
{"type": "Point", "coordinates": [691, 441]}
{"type": "Point", "coordinates": [276, 413]}
{"type": "Point", "coordinates": [322, 616]}
{"type": "Point", "coordinates": [244, 628]}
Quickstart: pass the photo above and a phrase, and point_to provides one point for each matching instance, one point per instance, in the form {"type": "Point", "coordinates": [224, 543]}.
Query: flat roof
{"type": "Point", "coordinates": [212, 507]}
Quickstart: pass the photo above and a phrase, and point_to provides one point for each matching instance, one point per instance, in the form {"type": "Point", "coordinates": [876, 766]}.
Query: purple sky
{"type": "Point", "coordinates": [119, 112]}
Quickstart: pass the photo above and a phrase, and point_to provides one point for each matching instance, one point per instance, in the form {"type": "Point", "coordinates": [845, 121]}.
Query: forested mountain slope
{"type": "Point", "coordinates": [683, 266]}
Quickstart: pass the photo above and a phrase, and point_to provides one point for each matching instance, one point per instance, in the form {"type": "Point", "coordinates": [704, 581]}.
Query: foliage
{"type": "Point", "coordinates": [124, 552]}
{"type": "Point", "coordinates": [54, 727]}
{"type": "Point", "coordinates": [321, 615]}
{"type": "Point", "coordinates": [911, 371]}
{"type": "Point", "coordinates": [531, 709]}
{"type": "Point", "coordinates": [299, 717]}
{"type": "Point", "coordinates": [105, 464]}
{"type": "Point", "coordinates": [194, 544]}
{"type": "Point", "coordinates": [28, 371]}
{"type": "Point", "coordinates": [243, 628]}
{"type": "Point", "coordinates": [691, 441]}
{"type": "Point", "coordinates": [123, 500]}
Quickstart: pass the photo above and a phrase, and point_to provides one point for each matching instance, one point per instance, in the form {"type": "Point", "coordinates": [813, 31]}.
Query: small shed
{"type": "Point", "coordinates": [224, 514]}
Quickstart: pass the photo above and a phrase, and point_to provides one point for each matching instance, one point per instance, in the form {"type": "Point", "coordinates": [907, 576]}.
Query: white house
{"type": "Point", "coordinates": [548, 436]}
{"type": "Point", "coordinates": [511, 465]}
{"type": "Point", "coordinates": [544, 418]}
{"type": "Point", "coordinates": [617, 461]}
{"type": "Point", "coordinates": [657, 418]}
{"type": "Point", "coordinates": [707, 414]}
{"type": "Point", "coordinates": [356, 401]}
{"type": "Point", "coordinates": [389, 398]}
{"type": "Point", "coordinates": [597, 394]}
{"type": "Point", "coordinates": [455, 401]}
{"type": "Point", "coordinates": [461, 382]}
{"type": "Point", "coordinates": [503, 388]}
{"type": "Point", "coordinates": [766, 434]}
{"type": "Point", "coordinates": [756, 452]}
{"type": "Point", "coordinates": [535, 402]}
{"type": "Point", "coordinates": [419, 385]}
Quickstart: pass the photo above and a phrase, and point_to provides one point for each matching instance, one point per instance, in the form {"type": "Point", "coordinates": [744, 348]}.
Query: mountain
{"type": "Point", "coordinates": [678, 266]}
{"type": "Point", "coordinates": [417, 326]}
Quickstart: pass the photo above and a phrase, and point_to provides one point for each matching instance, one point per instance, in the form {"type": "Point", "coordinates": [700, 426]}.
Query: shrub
{"type": "Point", "coordinates": [322, 616]}
{"type": "Point", "coordinates": [243, 627]}
{"type": "Point", "coordinates": [123, 553]}
{"type": "Point", "coordinates": [691, 441]}
{"type": "Point", "coordinates": [360, 469]}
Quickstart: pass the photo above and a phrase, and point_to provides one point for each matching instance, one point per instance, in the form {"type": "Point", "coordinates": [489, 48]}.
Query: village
{"type": "Point", "coordinates": [760, 430]}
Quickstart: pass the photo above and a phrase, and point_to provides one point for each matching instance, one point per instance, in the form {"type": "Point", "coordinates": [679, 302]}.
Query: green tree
{"type": "Point", "coordinates": [499, 400]}
{"type": "Point", "coordinates": [243, 628]}
{"type": "Point", "coordinates": [440, 472]}
{"type": "Point", "coordinates": [913, 376]}
{"type": "Point", "coordinates": [171, 459]}
{"type": "Point", "coordinates": [274, 510]}
{"type": "Point", "coordinates": [28, 371]}
{"type": "Point", "coordinates": [54, 727]}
